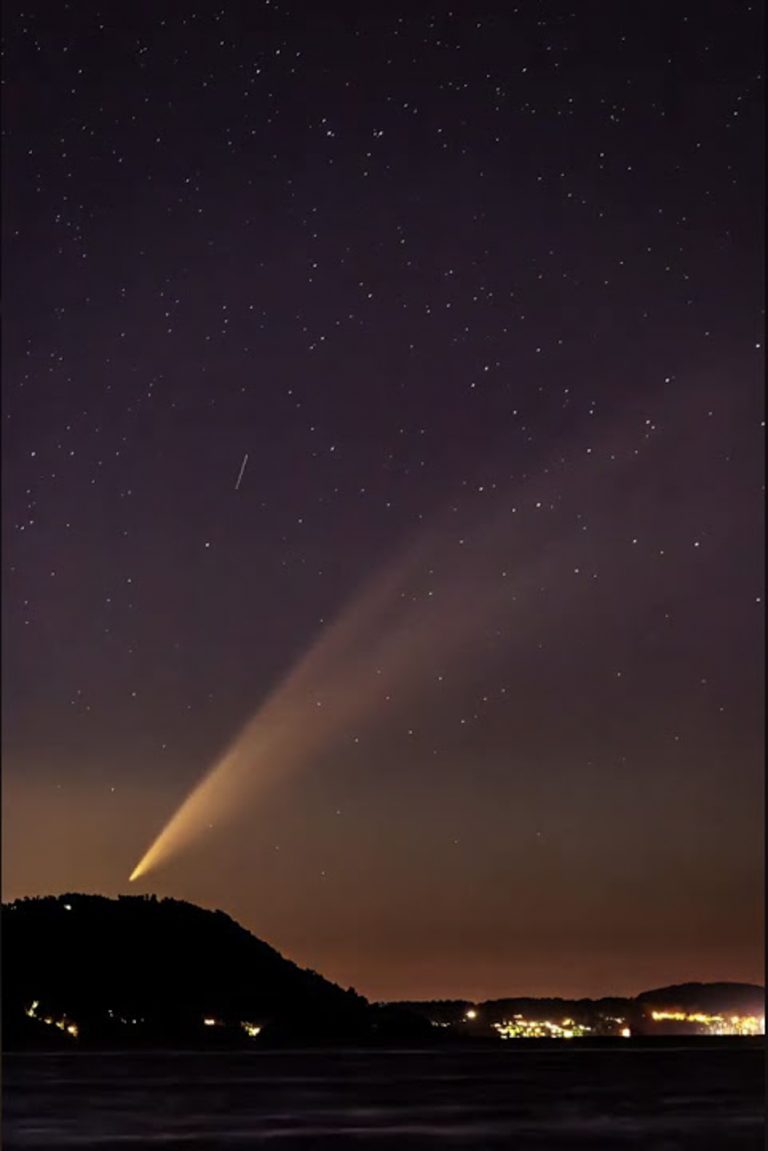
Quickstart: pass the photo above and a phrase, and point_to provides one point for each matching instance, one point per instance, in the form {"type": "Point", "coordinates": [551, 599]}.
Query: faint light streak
{"type": "Point", "coordinates": [241, 472]}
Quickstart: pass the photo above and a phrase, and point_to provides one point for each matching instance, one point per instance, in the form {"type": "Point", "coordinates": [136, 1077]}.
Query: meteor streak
{"type": "Point", "coordinates": [241, 472]}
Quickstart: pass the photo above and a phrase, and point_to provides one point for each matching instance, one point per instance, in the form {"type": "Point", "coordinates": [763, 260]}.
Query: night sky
{"type": "Point", "coordinates": [393, 375]}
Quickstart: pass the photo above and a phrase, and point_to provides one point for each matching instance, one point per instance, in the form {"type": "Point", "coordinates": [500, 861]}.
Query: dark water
{"type": "Point", "coordinates": [626, 1098]}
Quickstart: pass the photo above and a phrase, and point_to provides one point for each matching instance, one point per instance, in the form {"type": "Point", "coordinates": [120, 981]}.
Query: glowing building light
{"type": "Point", "coordinates": [251, 1029]}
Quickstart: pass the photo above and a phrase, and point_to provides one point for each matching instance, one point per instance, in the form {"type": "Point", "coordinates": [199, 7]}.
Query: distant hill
{"type": "Point", "coordinates": [137, 971]}
{"type": "Point", "coordinates": [707, 997]}
{"type": "Point", "coordinates": [142, 971]}
{"type": "Point", "coordinates": [600, 1015]}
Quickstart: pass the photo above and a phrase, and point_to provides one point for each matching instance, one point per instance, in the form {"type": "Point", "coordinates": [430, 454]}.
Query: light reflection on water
{"type": "Point", "coordinates": [630, 1098]}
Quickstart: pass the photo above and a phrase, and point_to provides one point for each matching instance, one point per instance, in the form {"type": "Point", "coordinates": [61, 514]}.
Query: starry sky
{"type": "Point", "coordinates": [400, 365]}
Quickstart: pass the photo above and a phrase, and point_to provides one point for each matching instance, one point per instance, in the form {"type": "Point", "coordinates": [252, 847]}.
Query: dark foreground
{"type": "Point", "coordinates": [632, 1097]}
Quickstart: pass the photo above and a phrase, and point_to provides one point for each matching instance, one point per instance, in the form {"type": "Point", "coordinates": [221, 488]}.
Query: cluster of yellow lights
{"type": "Point", "coordinates": [250, 1029]}
{"type": "Point", "coordinates": [62, 1024]}
{"type": "Point", "coordinates": [520, 1028]}
{"type": "Point", "coordinates": [683, 1017]}
{"type": "Point", "coordinates": [715, 1024]}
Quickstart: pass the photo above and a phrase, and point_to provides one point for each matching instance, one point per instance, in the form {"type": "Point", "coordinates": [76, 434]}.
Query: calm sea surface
{"type": "Point", "coordinates": [625, 1098]}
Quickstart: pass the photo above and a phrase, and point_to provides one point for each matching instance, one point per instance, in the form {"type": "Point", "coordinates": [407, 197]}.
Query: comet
{"type": "Point", "coordinates": [333, 685]}
{"type": "Point", "coordinates": [442, 603]}
{"type": "Point", "coordinates": [430, 606]}
{"type": "Point", "coordinates": [468, 590]}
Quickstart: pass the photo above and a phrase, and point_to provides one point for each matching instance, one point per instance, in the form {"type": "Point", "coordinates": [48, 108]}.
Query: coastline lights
{"type": "Point", "coordinates": [521, 1028]}
{"type": "Point", "coordinates": [715, 1024]}
{"type": "Point", "coordinates": [62, 1024]}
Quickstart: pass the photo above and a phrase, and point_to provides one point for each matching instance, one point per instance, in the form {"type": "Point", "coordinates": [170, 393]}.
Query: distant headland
{"type": "Point", "coordinates": [141, 972]}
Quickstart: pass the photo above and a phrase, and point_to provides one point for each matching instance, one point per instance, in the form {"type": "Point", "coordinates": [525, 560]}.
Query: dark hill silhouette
{"type": "Point", "coordinates": [708, 997]}
{"type": "Point", "coordinates": [138, 970]}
